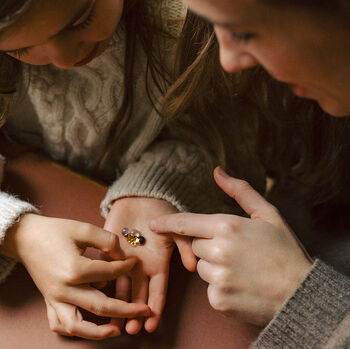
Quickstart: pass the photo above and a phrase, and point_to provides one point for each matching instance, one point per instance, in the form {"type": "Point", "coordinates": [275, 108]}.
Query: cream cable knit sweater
{"type": "Point", "coordinates": [68, 113]}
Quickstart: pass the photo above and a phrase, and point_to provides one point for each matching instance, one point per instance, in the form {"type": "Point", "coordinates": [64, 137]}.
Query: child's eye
{"type": "Point", "coordinates": [242, 36]}
{"type": "Point", "coordinates": [19, 53]}
{"type": "Point", "coordinates": [88, 21]}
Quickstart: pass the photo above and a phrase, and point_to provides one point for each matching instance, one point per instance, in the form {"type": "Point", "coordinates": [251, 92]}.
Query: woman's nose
{"type": "Point", "coordinates": [235, 60]}
{"type": "Point", "coordinates": [233, 55]}
{"type": "Point", "coordinates": [61, 53]}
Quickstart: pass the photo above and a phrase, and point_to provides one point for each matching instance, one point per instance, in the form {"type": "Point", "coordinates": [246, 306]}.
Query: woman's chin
{"type": "Point", "coordinates": [335, 109]}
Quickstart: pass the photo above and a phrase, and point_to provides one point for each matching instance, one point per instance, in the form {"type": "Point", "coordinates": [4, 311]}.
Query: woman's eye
{"type": "Point", "coordinates": [88, 21]}
{"type": "Point", "coordinates": [242, 36]}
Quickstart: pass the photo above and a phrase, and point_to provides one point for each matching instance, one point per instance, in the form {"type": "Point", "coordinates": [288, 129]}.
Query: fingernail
{"type": "Point", "coordinates": [115, 333]}
{"type": "Point", "coordinates": [221, 172]}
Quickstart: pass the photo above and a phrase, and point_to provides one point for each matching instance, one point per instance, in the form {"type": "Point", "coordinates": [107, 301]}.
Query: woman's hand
{"type": "Point", "coordinates": [252, 264]}
{"type": "Point", "coordinates": [149, 279]}
{"type": "Point", "coordinates": [52, 251]}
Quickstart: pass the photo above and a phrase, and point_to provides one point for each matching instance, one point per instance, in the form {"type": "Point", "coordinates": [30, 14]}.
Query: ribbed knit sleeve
{"type": "Point", "coordinates": [11, 209]}
{"type": "Point", "coordinates": [173, 171]}
{"type": "Point", "coordinates": [318, 309]}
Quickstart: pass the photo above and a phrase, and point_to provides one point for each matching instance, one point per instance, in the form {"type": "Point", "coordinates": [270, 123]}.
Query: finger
{"type": "Point", "coordinates": [92, 236]}
{"type": "Point", "coordinates": [97, 271]}
{"type": "Point", "coordinates": [207, 272]}
{"type": "Point", "coordinates": [156, 300]}
{"type": "Point", "coordinates": [190, 224]}
{"type": "Point", "coordinates": [249, 199]}
{"type": "Point", "coordinates": [139, 294]}
{"type": "Point", "coordinates": [73, 324]}
{"type": "Point", "coordinates": [122, 292]}
{"type": "Point", "coordinates": [54, 322]}
{"type": "Point", "coordinates": [205, 249]}
{"type": "Point", "coordinates": [184, 245]}
{"type": "Point", "coordinates": [98, 303]}
{"type": "Point", "coordinates": [100, 285]}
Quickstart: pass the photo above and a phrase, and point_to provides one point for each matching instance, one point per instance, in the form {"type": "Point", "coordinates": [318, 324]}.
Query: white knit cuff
{"type": "Point", "coordinates": [11, 209]}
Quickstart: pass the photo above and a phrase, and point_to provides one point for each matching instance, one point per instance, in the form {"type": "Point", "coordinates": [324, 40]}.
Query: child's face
{"type": "Point", "coordinates": [308, 51]}
{"type": "Point", "coordinates": [64, 33]}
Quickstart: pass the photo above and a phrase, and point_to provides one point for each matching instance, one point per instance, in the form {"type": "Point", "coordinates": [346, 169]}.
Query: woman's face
{"type": "Point", "coordinates": [308, 51]}
{"type": "Point", "coordinates": [64, 33]}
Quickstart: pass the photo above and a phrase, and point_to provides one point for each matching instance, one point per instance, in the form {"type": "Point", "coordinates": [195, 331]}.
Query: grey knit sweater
{"type": "Point", "coordinates": [317, 316]}
{"type": "Point", "coordinates": [68, 114]}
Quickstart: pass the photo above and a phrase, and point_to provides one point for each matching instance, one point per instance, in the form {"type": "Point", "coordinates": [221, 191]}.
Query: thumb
{"type": "Point", "coordinates": [249, 199]}
{"type": "Point", "coordinates": [184, 245]}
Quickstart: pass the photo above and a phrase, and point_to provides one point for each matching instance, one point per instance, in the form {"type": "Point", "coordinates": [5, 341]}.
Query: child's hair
{"type": "Point", "coordinates": [248, 118]}
{"type": "Point", "coordinates": [139, 28]}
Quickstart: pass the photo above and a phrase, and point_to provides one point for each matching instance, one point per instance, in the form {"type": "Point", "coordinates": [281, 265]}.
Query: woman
{"type": "Point", "coordinates": [255, 267]}
{"type": "Point", "coordinates": [92, 74]}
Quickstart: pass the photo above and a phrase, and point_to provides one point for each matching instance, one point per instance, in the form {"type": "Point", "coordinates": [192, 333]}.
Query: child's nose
{"type": "Point", "coordinates": [61, 53]}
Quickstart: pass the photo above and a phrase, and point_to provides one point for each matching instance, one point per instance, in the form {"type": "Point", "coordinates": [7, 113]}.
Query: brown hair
{"type": "Point", "coordinates": [248, 119]}
{"type": "Point", "coordinates": [138, 27]}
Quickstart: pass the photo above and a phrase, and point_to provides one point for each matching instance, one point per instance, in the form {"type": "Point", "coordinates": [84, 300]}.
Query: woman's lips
{"type": "Point", "coordinates": [88, 58]}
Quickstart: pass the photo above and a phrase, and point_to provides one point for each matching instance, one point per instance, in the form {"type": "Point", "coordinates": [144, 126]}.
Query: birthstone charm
{"type": "Point", "coordinates": [133, 237]}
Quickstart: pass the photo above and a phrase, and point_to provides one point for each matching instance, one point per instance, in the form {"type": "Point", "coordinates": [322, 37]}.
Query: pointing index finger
{"type": "Point", "coordinates": [190, 224]}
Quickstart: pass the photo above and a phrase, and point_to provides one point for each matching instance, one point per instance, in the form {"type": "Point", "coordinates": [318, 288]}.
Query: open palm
{"type": "Point", "coordinates": [147, 283]}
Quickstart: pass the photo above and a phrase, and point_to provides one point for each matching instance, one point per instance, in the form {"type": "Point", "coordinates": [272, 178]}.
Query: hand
{"type": "Point", "coordinates": [52, 251]}
{"type": "Point", "coordinates": [149, 279]}
{"type": "Point", "coordinates": [252, 264]}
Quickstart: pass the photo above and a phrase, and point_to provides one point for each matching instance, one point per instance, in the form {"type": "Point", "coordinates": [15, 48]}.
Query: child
{"type": "Point", "coordinates": [91, 75]}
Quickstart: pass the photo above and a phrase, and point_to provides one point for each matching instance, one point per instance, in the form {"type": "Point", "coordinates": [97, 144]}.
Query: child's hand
{"type": "Point", "coordinates": [52, 251]}
{"type": "Point", "coordinates": [149, 279]}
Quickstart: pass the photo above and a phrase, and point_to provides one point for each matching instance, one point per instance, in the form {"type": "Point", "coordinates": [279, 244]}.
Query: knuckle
{"type": "Point", "coordinates": [55, 291]}
{"type": "Point", "coordinates": [216, 300]}
{"type": "Point", "coordinates": [100, 309]}
{"type": "Point", "coordinates": [86, 229]}
{"type": "Point", "coordinates": [242, 185]}
{"type": "Point", "coordinates": [217, 254]}
{"type": "Point", "coordinates": [221, 279]}
{"type": "Point", "coordinates": [71, 274]}
{"type": "Point", "coordinates": [221, 254]}
{"type": "Point", "coordinates": [226, 227]}
{"type": "Point", "coordinates": [70, 328]}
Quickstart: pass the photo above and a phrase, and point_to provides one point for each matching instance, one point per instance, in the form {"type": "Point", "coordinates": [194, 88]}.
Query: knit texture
{"type": "Point", "coordinates": [11, 209]}
{"type": "Point", "coordinates": [69, 114]}
{"type": "Point", "coordinates": [311, 316]}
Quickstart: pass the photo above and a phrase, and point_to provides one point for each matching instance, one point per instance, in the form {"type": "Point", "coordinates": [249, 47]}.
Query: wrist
{"type": "Point", "coordinates": [13, 242]}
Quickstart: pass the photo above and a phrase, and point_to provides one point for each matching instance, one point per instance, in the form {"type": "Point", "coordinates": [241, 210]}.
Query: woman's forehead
{"type": "Point", "coordinates": [237, 11]}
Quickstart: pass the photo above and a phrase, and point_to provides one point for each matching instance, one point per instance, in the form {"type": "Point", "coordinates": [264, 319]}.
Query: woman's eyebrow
{"type": "Point", "coordinates": [218, 23]}
{"type": "Point", "coordinates": [79, 13]}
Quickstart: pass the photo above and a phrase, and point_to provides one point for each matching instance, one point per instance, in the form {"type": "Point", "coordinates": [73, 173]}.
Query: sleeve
{"type": "Point", "coordinates": [316, 316]}
{"type": "Point", "coordinates": [11, 209]}
{"type": "Point", "coordinates": [172, 170]}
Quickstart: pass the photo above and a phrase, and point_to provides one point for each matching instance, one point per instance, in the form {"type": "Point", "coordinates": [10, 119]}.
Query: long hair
{"type": "Point", "coordinates": [248, 119]}
{"type": "Point", "coordinates": [10, 68]}
{"type": "Point", "coordinates": [139, 28]}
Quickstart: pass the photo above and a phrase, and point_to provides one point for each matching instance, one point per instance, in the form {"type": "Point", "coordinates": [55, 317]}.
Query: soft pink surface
{"type": "Point", "coordinates": [188, 321]}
